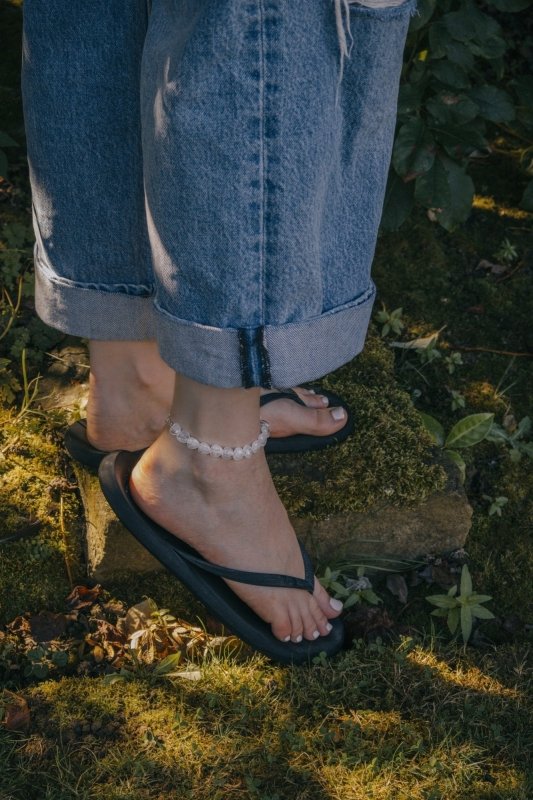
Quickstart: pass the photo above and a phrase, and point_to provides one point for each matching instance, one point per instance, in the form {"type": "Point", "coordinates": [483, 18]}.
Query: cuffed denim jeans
{"type": "Point", "coordinates": [210, 174]}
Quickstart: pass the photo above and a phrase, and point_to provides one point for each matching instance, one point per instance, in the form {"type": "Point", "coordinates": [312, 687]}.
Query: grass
{"type": "Point", "coordinates": [411, 721]}
{"type": "Point", "coordinates": [415, 716]}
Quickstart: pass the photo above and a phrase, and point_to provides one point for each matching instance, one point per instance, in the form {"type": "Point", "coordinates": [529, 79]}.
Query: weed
{"type": "Point", "coordinates": [391, 321]}
{"type": "Point", "coordinates": [506, 252]}
{"type": "Point", "coordinates": [466, 433]}
{"type": "Point", "coordinates": [463, 608]}
{"type": "Point", "coordinates": [496, 504]}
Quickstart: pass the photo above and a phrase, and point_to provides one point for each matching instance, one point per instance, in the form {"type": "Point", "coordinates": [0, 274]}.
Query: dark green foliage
{"type": "Point", "coordinates": [456, 84]}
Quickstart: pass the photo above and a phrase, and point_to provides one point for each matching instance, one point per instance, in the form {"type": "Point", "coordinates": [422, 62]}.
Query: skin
{"type": "Point", "coordinates": [229, 511]}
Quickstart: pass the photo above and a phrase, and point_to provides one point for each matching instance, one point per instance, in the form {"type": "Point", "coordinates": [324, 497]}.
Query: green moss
{"type": "Point", "coordinates": [503, 546]}
{"type": "Point", "coordinates": [389, 458]}
{"type": "Point", "coordinates": [34, 571]}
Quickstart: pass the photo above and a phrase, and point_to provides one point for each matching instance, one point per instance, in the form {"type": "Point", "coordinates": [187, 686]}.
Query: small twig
{"type": "Point", "coordinates": [491, 350]}
{"type": "Point", "coordinates": [507, 275]}
{"type": "Point", "coordinates": [13, 306]}
{"type": "Point", "coordinates": [511, 132]}
{"type": "Point", "coordinates": [64, 361]}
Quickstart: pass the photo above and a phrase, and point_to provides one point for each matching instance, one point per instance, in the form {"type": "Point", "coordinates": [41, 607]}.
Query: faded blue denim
{"type": "Point", "coordinates": [211, 174]}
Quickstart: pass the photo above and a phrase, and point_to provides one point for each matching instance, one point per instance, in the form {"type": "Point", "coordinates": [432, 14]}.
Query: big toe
{"type": "Point", "coordinates": [287, 418]}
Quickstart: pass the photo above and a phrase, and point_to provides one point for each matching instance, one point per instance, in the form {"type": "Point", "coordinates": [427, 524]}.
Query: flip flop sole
{"type": "Point", "coordinates": [211, 590]}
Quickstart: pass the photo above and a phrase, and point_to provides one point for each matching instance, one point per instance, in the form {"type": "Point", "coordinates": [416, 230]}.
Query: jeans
{"type": "Point", "coordinates": [210, 174]}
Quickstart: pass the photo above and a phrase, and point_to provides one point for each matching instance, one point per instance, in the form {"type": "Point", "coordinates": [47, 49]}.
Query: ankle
{"type": "Point", "coordinates": [135, 364]}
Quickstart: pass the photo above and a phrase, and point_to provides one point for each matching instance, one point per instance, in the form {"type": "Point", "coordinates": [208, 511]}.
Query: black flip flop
{"type": "Point", "coordinates": [204, 579]}
{"type": "Point", "coordinates": [302, 442]}
{"type": "Point", "coordinates": [80, 449]}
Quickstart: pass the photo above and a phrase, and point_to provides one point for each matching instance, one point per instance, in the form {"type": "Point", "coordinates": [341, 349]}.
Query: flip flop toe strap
{"type": "Point", "coordinates": [258, 578]}
{"type": "Point", "coordinates": [282, 394]}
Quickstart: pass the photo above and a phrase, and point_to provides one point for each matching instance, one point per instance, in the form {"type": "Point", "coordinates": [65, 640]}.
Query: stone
{"type": "Point", "coordinates": [108, 547]}
{"type": "Point", "coordinates": [386, 492]}
{"type": "Point", "coordinates": [438, 524]}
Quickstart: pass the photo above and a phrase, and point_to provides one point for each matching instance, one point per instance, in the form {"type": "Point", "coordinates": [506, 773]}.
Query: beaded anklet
{"type": "Point", "coordinates": [217, 450]}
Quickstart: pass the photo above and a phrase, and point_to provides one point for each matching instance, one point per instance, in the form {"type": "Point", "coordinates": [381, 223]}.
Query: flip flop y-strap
{"type": "Point", "coordinates": [258, 578]}
{"type": "Point", "coordinates": [281, 394]}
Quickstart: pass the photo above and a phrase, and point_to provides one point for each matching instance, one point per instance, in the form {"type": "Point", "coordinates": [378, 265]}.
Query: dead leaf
{"type": "Point", "coordinates": [188, 674]}
{"type": "Point", "coordinates": [16, 712]}
{"type": "Point", "coordinates": [82, 596]}
{"type": "Point", "coordinates": [397, 586]}
{"type": "Point", "coordinates": [138, 616]}
{"type": "Point", "coordinates": [47, 626]}
{"type": "Point", "coordinates": [494, 269]}
{"type": "Point", "coordinates": [98, 654]}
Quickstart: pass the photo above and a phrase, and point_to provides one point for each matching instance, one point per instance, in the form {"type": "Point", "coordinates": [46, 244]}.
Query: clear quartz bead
{"type": "Point", "coordinates": [255, 446]}
{"type": "Point", "coordinates": [183, 437]}
{"type": "Point", "coordinates": [175, 429]}
{"type": "Point", "coordinates": [204, 448]}
{"type": "Point", "coordinates": [193, 443]}
{"type": "Point", "coordinates": [216, 450]}
{"type": "Point", "coordinates": [227, 452]}
{"type": "Point", "coordinates": [247, 450]}
{"type": "Point", "coordinates": [238, 454]}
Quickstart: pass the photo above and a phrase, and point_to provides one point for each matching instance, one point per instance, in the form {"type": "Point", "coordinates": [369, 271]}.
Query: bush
{"type": "Point", "coordinates": [456, 82]}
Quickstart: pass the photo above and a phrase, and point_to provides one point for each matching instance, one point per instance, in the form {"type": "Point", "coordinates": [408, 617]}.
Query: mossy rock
{"type": "Point", "coordinates": [386, 491]}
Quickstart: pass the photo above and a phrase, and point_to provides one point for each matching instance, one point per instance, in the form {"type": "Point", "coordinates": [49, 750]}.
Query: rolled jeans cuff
{"type": "Point", "coordinates": [270, 355]}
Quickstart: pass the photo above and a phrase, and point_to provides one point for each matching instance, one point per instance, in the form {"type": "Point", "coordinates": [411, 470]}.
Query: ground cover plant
{"type": "Point", "coordinates": [127, 691]}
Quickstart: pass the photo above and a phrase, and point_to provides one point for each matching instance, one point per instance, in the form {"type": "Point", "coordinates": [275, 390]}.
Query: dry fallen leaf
{"type": "Point", "coordinates": [47, 626]}
{"type": "Point", "coordinates": [397, 586]}
{"type": "Point", "coordinates": [16, 712]}
{"type": "Point", "coordinates": [82, 596]}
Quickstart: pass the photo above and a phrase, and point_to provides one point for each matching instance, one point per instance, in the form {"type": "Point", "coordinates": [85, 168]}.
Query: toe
{"type": "Point", "coordinates": [328, 605]}
{"type": "Point", "coordinates": [311, 399]}
{"type": "Point", "coordinates": [282, 628]}
{"type": "Point", "coordinates": [311, 630]}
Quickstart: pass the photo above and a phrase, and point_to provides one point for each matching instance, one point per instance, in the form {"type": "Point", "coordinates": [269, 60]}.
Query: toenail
{"type": "Point", "coordinates": [329, 627]}
{"type": "Point", "coordinates": [287, 639]}
{"type": "Point", "coordinates": [298, 638]}
{"type": "Point", "coordinates": [316, 634]}
{"type": "Point", "coordinates": [338, 413]}
{"type": "Point", "coordinates": [324, 400]}
{"type": "Point", "coordinates": [336, 604]}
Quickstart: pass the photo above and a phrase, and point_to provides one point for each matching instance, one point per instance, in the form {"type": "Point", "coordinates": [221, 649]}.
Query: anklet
{"type": "Point", "coordinates": [217, 450]}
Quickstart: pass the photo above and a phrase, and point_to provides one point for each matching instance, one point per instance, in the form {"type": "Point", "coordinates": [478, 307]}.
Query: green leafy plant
{"type": "Point", "coordinates": [506, 253]}
{"type": "Point", "coordinates": [457, 400]}
{"type": "Point", "coordinates": [452, 361]}
{"type": "Point", "coordinates": [466, 433]}
{"type": "Point", "coordinates": [391, 321]}
{"type": "Point", "coordinates": [496, 504]}
{"type": "Point", "coordinates": [462, 608]}
{"type": "Point", "coordinates": [455, 85]}
{"type": "Point", "coordinates": [351, 590]}
{"type": "Point", "coordinates": [515, 438]}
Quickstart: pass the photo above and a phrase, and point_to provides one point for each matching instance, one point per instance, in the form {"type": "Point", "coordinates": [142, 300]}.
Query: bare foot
{"type": "Point", "coordinates": [230, 512]}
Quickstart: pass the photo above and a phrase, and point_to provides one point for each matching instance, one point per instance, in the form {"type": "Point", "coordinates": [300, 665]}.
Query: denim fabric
{"type": "Point", "coordinates": [201, 176]}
